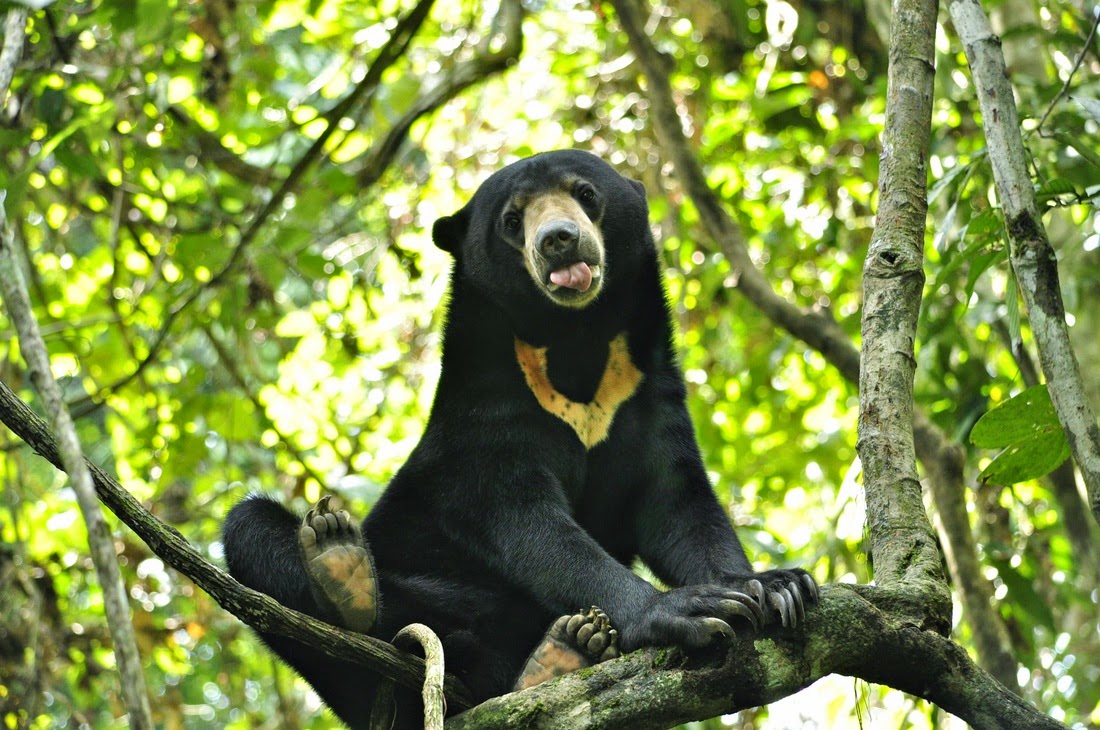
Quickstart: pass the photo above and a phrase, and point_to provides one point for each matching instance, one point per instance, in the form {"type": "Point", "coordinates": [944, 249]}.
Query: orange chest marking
{"type": "Point", "coordinates": [591, 421]}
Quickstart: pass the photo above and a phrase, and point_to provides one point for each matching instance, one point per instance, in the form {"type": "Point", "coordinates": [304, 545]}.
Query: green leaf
{"type": "Point", "coordinates": [946, 180]}
{"type": "Point", "coordinates": [1027, 429]}
{"type": "Point", "coordinates": [1054, 189]}
{"type": "Point", "coordinates": [1015, 419]}
{"type": "Point", "coordinates": [980, 262]}
{"type": "Point", "coordinates": [1012, 301]}
{"type": "Point", "coordinates": [1091, 106]}
{"type": "Point", "coordinates": [1021, 589]}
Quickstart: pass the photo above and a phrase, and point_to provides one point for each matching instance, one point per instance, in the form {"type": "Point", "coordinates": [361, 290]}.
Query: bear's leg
{"type": "Point", "coordinates": [263, 551]}
{"type": "Point", "coordinates": [572, 643]}
{"type": "Point", "coordinates": [340, 568]}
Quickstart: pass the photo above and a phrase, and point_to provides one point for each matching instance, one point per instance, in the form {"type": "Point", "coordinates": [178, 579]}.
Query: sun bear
{"type": "Point", "coordinates": [558, 450]}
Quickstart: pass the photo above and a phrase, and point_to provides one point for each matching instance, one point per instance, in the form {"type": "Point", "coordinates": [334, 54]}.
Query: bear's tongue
{"type": "Point", "coordinates": [574, 276]}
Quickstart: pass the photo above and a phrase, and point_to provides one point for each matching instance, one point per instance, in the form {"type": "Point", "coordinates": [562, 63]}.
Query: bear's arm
{"type": "Point", "coordinates": [682, 532]}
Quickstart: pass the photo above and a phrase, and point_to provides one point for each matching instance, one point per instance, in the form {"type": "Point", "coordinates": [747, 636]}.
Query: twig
{"type": "Point", "coordinates": [487, 61]}
{"type": "Point", "coordinates": [1073, 72]}
{"type": "Point", "coordinates": [435, 704]}
{"type": "Point", "coordinates": [230, 365]}
{"type": "Point", "coordinates": [395, 47]}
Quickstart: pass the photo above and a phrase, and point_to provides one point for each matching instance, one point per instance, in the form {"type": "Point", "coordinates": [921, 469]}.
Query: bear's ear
{"type": "Point", "coordinates": [449, 232]}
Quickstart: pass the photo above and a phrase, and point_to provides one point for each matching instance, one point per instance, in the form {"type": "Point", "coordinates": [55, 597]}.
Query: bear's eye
{"type": "Point", "coordinates": [586, 193]}
{"type": "Point", "coordinates": [512, 221]}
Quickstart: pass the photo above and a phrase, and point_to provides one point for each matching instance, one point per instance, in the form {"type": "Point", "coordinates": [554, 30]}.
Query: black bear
{"type": "Point", "coordinates": [558, 450]}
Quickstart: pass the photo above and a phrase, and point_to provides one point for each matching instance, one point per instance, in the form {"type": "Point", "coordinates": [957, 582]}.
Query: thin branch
{"type": "Point", "coordinates": [394, 49]}
{"type": "Point", "coordinates": [435, 704]}
{"type": "Point", "coordinates": [497, 51]}
{"type": "Point", "coordinates": [212, 150]}
{"type": "Point", "coordinates": [1073, 72]}
{"type": "Point", "coordinates": [230, 364]}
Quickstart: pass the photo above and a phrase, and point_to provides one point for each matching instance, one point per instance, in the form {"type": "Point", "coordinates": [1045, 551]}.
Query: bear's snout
{"type": "Point", "coordinates": [557, 240]}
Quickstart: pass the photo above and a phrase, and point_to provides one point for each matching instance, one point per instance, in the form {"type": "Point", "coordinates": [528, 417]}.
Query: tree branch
{"type": "Point", "coordinates": [849, 632]}
{"type": "Point", "coordinates": [394, 49]}
{"type": "Point", "coordinates": [497, 51]}
{"type": "Point", "coordinates": [903, 546]}
{"type": "Point", "coordinates": [258, 610]}
{"type": "Point", "coordinates": [1033, 260]}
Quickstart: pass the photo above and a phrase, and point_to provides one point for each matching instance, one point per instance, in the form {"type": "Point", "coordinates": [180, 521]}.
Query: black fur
{"type": "Point", "coordinates": [502, 520]}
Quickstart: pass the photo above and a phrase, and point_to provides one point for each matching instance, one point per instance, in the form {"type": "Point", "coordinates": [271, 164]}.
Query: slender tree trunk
{"type": "Point", "coordinates": [33, 348]}
{"type": "Point", "coordinates": [1032, 257]}
{"type": "Point", "coordinates": [903, 546]}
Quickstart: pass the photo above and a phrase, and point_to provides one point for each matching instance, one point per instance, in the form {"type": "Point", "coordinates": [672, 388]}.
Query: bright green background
{"type": "Point", "coordinates": [314, 361]}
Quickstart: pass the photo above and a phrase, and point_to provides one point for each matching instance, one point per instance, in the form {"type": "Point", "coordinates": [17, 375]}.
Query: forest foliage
{"type": "Point", "coordinates": [227, 217]}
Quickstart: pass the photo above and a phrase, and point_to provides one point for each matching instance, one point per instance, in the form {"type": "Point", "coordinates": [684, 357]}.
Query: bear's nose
{"type": "Point", "coordinates": [558, 239]}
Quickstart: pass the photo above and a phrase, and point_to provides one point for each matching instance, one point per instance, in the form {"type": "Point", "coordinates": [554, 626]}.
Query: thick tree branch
{"type": "Point", "coordinates": [1033, 260]}
{"type": "Point", "coordinates": [849, 633]}
{"type": "Point", "coordinates": [903, 546]}
{"type": "Point", "coordinates": [258, 610]}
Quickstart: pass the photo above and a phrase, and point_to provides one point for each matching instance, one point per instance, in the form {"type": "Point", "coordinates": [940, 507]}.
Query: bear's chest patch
{"type": "Point", "coordinates": [591, 421]}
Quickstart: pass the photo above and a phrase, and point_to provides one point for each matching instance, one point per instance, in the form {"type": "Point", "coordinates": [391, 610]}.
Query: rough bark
{"type": "Point", "coordinates": [1033, 260]}
{"type": "Point", "coordinates": [893, 281]}
{"type": "Point", "coordinates": [850, 633]}
{"type": "Point", "coordinates": [903, 547]}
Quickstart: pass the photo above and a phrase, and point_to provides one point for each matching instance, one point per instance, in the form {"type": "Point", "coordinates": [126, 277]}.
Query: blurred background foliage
{"type": "Point", "coordinates": [228, 233]}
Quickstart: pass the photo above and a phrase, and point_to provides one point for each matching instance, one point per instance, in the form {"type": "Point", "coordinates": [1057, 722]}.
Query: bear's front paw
{"type": "Point", "coordinates": [782, 594]}
{"type": "Point", "coordinates": [692, 617]}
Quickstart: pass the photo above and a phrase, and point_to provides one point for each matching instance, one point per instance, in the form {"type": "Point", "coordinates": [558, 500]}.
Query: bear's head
{"type": "Point", "coordinates": [561, 228]}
